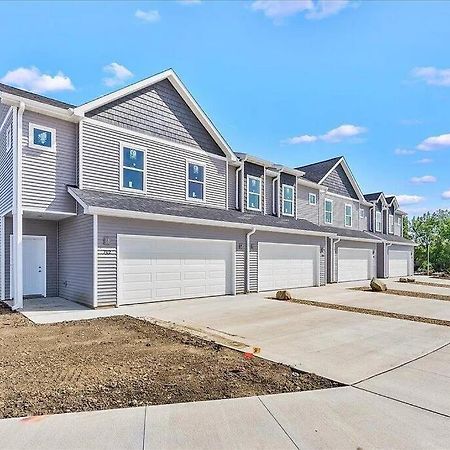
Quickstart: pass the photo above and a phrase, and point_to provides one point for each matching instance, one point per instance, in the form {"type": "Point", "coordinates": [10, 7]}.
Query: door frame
{"type": "Point", "coordinates": [232, 244]}
{"type": "Point", "coordinates": [11, 262]}
{"type": "Point", "coordinates": [316, 265]}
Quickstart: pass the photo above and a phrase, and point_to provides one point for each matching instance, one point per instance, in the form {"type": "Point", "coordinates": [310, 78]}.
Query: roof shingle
{"type": "Point", "coordinates": [316, 171]}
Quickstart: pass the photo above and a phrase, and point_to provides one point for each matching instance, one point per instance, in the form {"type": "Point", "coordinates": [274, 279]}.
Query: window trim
{"type": "Point", "coordinates": [31, 144]}
{"type": "Point", "coordinates": [391, 230]}
{"type": "Point", "coordinates": [351, 215]}
{"type": "Point", "coordinates": [399, 221]}
{"type": "Point", "coordinates": [378, 214]}
{"type": "Point", "coordinates": [252, 177]}
{"type": "Point", "coordinates": [144, 170]}
{"type": "Point", "coordinates": [289, 201]}
{"type": "Point", "coordinates": [197, 163]}
{"type": "Point", "coordinates": [309, 198]}
{"type": "Point", "coordinates": [325, 211]}
{"type": "Point", "coordinates": [9, 138]}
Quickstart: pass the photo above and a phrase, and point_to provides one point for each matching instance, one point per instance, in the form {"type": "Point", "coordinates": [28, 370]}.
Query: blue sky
{"type": "Point", "coordinates": [293, 82]}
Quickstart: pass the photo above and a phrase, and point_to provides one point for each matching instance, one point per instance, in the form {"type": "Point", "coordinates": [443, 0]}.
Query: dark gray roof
{"type": "Point", "coordinates": [390, 198]}
{"type": "Point", "coordinates": [392, 238]}
{"type": "Point", "coordinates": [346, 232]}
{"type": "Point", "coordinates": [316, 171]}
{"type": "Point", "coordinates": [30, 95]}
{"type": "Point", "coordinates": [127, 202]}
{"type": "Point", "coordinates": [372, 197]}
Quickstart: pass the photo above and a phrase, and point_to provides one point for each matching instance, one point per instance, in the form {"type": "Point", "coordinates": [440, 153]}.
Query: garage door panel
{"type": "Point", "coordinates": [399, 263]}
{"type": "Point", "coordinates": [173, 268]}
{"type": "Point", "coordinates": [354, 264]}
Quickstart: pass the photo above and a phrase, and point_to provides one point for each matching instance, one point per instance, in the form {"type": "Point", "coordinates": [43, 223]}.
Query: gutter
{"type": "Point", "coordinates": [276, 195]}
{"type": "Point", "coordinates": [333, 258]}
{"type": "Point", "coordinates": [248, 236]}
{"type": "Point", "coordinates": [238, 174]}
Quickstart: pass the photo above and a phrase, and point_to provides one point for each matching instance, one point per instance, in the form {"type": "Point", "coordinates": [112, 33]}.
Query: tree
{"type": "Point", "coordinates": [431, 229]}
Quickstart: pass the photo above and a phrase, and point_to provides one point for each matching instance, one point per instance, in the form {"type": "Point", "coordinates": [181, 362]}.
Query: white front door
{"type": "Point", "coordinates": [354, 264]}
{"type": "Point", "coordinates": [34, 265]}
{"type": "Point", "coordinates": [287, 266]}
{"type": "Point", "coordinates": [152, 268]}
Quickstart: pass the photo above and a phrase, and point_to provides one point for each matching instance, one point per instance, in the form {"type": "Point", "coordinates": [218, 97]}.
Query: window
{"type": "Point", "coordinates": [361, 213]}
{"type": "Point", "coordinates": [195, 189]}
{"type": "Point", "coordinates": [378, 221]}
{"type": "Point", "coordinates": [391, 223]}
{"type": "Point", "coordinates": [399, 221]}
{"type": "Point", "coordinates": [133, 168]}
{"type": "Point", "coordinates": [312, 199]}
{"type": "Point", "coordinates": [288, 200]}
{"type": "Point", "coordinates": [348, 215]}
{"type": "Point", "coordinates": [328, 211]}
{"type": "Point", "coordinates": [253, 193]}
{"type": "Point", "coordinates": [9, 138]}
{"type": "Point", "coordinates": [41, 138]}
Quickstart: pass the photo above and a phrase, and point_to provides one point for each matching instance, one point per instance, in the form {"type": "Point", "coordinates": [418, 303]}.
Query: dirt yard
{"type": "Point", "coordinates": [119, 362]}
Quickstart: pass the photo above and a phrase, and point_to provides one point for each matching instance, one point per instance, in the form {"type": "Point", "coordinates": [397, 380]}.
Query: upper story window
{"type": "Point", "coordinates": [132, 168]}
{"type": "Point", "coordinates": [378, 223]}
{"type": "Point", "coordinates": [399, 221]}
{"type": "Point", "coordinates": [361, 213]}
{"type": "Point", "coordinates": [9, 138]}
{"type": "Point", "coordinates": [253, 193]}
{"type": "Point", "coordinates": [391, 223]}
{"type": "Point", "coordinates": [41, 138]}
{"type": "Point", "coordinates": [288, 200]}
{"type": "Point", "coordinates": [328, 211]}
{"type": "Point", "coordinates": [312, 198]}
{"type": "Point", "coordinates": [195, 181]}
{"type": "Point", "coordinates": [348, 215]}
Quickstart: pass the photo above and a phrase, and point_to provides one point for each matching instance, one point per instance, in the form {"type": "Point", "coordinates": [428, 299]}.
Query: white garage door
{"type": "Point", "coordinates": [398, 263]}
{"type": "Point", "coordinates": [159, 268]}
{"type": "Point", "coordinates": [285, 266]}
{"type": "Point", "coordinates": [354, 264]}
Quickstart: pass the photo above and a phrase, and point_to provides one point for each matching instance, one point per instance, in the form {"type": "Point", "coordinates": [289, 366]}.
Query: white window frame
{"type": "Point", "coordinates": [379, 216]}
{"type": "Point", "coordinates": [348, 205]}
{"type": "Point", "coordinates": [9, 138]}
{"type": "Point", "coordinates": [399, 221]}
{"type": "Point", "coordinates": [31, 144]}
{"type": "Point", "coordinates": [288, 201]}
{"type": "Point", "coordinates": [391, 223]}
{"type": "Point", "coordinates": [251, 177]}
{"type": "Point", "coordinates": [144, 170]}
{"type": "Point", "coordinates": [361, 213]}
{"type": "Point", "coordinates": [327, 200]}
{"type": "Point", "coordinates": [310, 196]}
{"type": "Point", "coordinates": [196, 163]}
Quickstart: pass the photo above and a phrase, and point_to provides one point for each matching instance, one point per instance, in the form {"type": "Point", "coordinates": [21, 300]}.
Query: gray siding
{"type": "Point", "coordinates": [3, 111]}
{"type": "Point", "coordinates": [284, 239]}
{"type": "Point", "coordinates": [397, 227]}
{"type": "Point", "coordinates": [159, 111]}
{"type": "Point", "coordinates": [46, 173]}
{"type": "Point", "coordinates": [255, 171]}
{"type": "Point", "coordinates": [166, 166]}
{"type": "Point", "coordinates": [380, 260]}
{"type": "Point", "coordinates": [76, 250]}
{"type": "Point", "coordinates": [107, 253]}
{"type": "Point", "coordinates": [355, 244]}
{"type": "Point", "coordinates": [338, 183]}
{"type": "Point", "coordinates": [268, 194]}
{"type": "Point", "coordinates": [2, 260]}
{"type": "Point", "coordinates": [305, 210]}
{"type": "Point", "coordinates": [364, 222]}
{"type": "Point", "coordinates": [6, 170]}
{"type": "Point", "coordinates": [232, 187]}
{"type": "Point", "coordinates": [33, 227]}
{"type": "Point", "coordinates": [339, 212]}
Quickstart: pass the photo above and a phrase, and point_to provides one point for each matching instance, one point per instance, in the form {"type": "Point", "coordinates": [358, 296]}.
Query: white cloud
{"type": "Point", "coordinates": [424, 161]}
{"type": "Point", "coordinates": [404, 152]}
{"type": "Point", "coordinates": [34, 80]}
{"type": "Point", "coordinates": [432, 75]}
{"type": "Point", "coordinates": [435, 143]}
{"type": "Point", "coordinates": [424, 180]}
{"type": "Point", "coordinates": [405, 199]}
{"type": "Point", "coordinates": [335, 135]}
{"type": "Point", "coordinates": [119, 74]}
{"type": "Point", "coordinates": [313, 9]}
{"type": "Point", "coordinates": [446, 195]}
{"type": "Point", "coordinates": [150, 16]}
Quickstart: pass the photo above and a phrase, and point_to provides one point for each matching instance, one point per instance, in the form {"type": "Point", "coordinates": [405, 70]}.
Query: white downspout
{"type": "Point", "coordinates": [276, 195]}
{"type": "Point", "coordinates": [17, 288]}
{"type": "Point", "coordinates": [295, 199]}
{"type": "Point", "coordinates": [386, 253]}
{"type": "Point", "coordinates": [333, 259]}
{"type": "Point", "coordinates": [249, 234]}
{"type": "Point", "coordinates": [238, 172]}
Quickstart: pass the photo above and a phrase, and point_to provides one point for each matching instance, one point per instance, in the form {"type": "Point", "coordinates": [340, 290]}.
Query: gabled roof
{"type": "Point", "coordinates": [173, 78]}
{"type": "Point", "coordinates": [392, 199]}
{"type": "Point", "coordinates": [32, 96]}
{"type": "Point", "coordinates": [373, 197]}
{"type": "Point", "coordinates": [317, 171]}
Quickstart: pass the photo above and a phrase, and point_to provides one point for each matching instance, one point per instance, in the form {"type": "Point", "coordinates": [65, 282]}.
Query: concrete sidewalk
{"type": "Point", "coordinates": [327, 419]}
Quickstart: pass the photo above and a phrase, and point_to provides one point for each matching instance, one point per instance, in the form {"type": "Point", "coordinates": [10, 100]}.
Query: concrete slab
{"type": "Point", "coordinates": [119, 428]}
{"type": "Point", "coordinates": [432, 309]}
{"type": "Point", "coordinates": [343, 346]}
{"type": "Point", "coordinates": [222, 424]}
{"type": "Point", "coordinates": [427, 279]}
{"type": "Point", "coordinates": [424, 383]}
{"type": "Point", "coordinates": [419, 288]}
{"type": "Point", "coordinates": [347, 418]}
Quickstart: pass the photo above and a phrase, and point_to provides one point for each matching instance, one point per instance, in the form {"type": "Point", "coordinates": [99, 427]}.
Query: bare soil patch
{"type": "Point", "coordinates": [120, 362]}
{"type": "Point", "coordinates": [420, 295]}
{"type": "Point", "coordinates": [372, 312]}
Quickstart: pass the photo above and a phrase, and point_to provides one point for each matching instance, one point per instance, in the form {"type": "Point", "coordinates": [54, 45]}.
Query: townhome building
{"type": "Point", "coordinates": [136, 197]}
